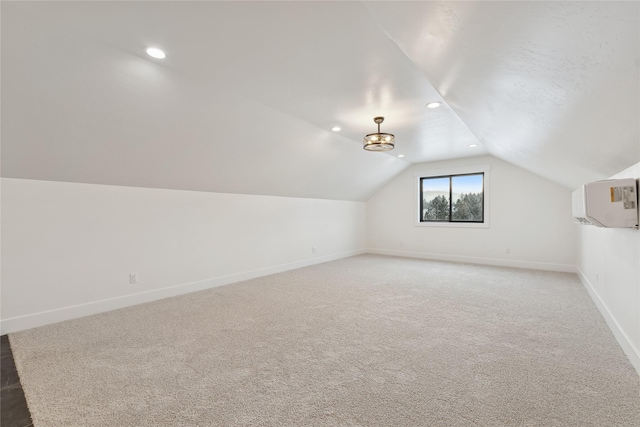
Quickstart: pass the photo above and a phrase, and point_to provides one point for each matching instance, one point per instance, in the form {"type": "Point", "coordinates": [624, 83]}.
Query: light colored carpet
{"type": "Point", "coordinates": [365, 341]}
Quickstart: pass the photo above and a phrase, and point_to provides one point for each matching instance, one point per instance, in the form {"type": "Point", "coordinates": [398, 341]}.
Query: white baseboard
{"type": "Point", "coordinates": [627, 346]}
{"type": "Point", "coordinates": [477, 260]}
{"type": "Point", "coordinates": [20, 323]}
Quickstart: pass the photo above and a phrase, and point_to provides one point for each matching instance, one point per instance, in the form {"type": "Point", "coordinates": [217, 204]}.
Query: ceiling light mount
{"type": "Point", "coordinates": [379, 141]}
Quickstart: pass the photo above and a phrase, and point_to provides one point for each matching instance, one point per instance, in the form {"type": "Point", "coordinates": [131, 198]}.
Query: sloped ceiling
{"type": "Point", "coordinates": [248, 93]}
{"type": "Point", "coordinates": [553, 87]}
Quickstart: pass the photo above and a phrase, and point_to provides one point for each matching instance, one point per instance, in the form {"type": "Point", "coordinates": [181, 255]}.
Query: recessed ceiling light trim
{"type": "Point", "coordinates": [434, 104]}
{"type": "Point", "coordinates": [336, 129]}
{"type": "Point", "coordinates": [154, 52]}
{"type": "Point", "coordinates": [472, 145]}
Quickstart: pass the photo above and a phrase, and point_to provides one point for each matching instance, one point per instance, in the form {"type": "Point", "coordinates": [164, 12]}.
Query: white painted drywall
{"type": "Point", "coordinates": [528, 215]}
{"type": "Point", "coordinates": [609, 266]}
{"type": "Point", "coordinates": [68, 248]}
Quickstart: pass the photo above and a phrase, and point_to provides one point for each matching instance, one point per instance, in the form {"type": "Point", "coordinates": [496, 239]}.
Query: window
{"type": "Point", "coordinates": [457, 198]}
{"type": "Point", "coordinates": [453, 198]}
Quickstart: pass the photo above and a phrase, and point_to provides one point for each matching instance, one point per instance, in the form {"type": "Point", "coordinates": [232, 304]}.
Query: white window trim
{"type": "Point", "coordinates": [453, 171]}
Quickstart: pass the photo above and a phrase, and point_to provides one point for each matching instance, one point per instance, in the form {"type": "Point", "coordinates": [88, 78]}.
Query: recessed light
{"type": "Point", "coordinates": [434, 104]}
{"type": "Point", "coordinates": [400, 155]}
{"type": "Point", "coordinates": [156, 53]}
{"type": "Point", "coordinates": [472, 145]}
{"type": "Point", "coordinates": [336, 129]}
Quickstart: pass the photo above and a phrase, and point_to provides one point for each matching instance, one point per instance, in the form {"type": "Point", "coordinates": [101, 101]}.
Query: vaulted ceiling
{"type": "Point", "coordinates": [246, 98]}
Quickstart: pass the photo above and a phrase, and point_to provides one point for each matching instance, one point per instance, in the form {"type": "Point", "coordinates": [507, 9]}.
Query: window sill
{"type": "Point", "coordinates": [452, 224]}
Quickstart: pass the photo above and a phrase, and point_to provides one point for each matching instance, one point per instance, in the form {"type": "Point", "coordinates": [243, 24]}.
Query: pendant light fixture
{"type": "Point", "coordinates": [379, 141]}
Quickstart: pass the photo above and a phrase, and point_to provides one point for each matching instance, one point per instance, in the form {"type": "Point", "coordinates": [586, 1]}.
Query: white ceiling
{"type": "Point", "coordinates": [246, 97]}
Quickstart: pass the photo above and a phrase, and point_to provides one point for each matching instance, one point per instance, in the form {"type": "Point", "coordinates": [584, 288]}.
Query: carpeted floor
{"type": "Point", "coordinates": [364, 341]}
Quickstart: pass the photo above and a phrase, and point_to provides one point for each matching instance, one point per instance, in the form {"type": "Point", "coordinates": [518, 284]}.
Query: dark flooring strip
{"type": "Point", "coordinates": [13, 406]}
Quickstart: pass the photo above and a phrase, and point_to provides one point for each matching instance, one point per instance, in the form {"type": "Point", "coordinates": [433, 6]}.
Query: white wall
{"type": "Point", "coordinates": [68, 249]}
{"type": "Point", "coordinates": [528, 214]}
{"type": "Point", "coordinates": [609, 266]}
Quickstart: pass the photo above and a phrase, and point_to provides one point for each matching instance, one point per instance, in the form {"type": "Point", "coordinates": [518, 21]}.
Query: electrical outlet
{"type": "Point", "coordinates": [313, 249]}
{"type": "Point", "coordinates": [133, 278]}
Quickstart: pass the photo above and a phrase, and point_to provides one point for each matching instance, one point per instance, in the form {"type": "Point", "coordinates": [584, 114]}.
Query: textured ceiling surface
{"type": "Point", "coordinates": [248, 93]}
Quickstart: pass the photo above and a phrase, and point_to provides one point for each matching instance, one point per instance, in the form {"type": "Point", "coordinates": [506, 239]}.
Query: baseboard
{"type": "Point", "coordinates": [20, 323]}
{"type": "Point", "coordinates": [477, 260]}
{"type": "Point", "coordinates": [627, 346]}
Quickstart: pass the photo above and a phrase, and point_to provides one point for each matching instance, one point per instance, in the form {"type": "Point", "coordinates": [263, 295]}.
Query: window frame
{"type": "Point", "coordinates": [448, 173]}
{"type": "Point", "coordinates": [450, 178]}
